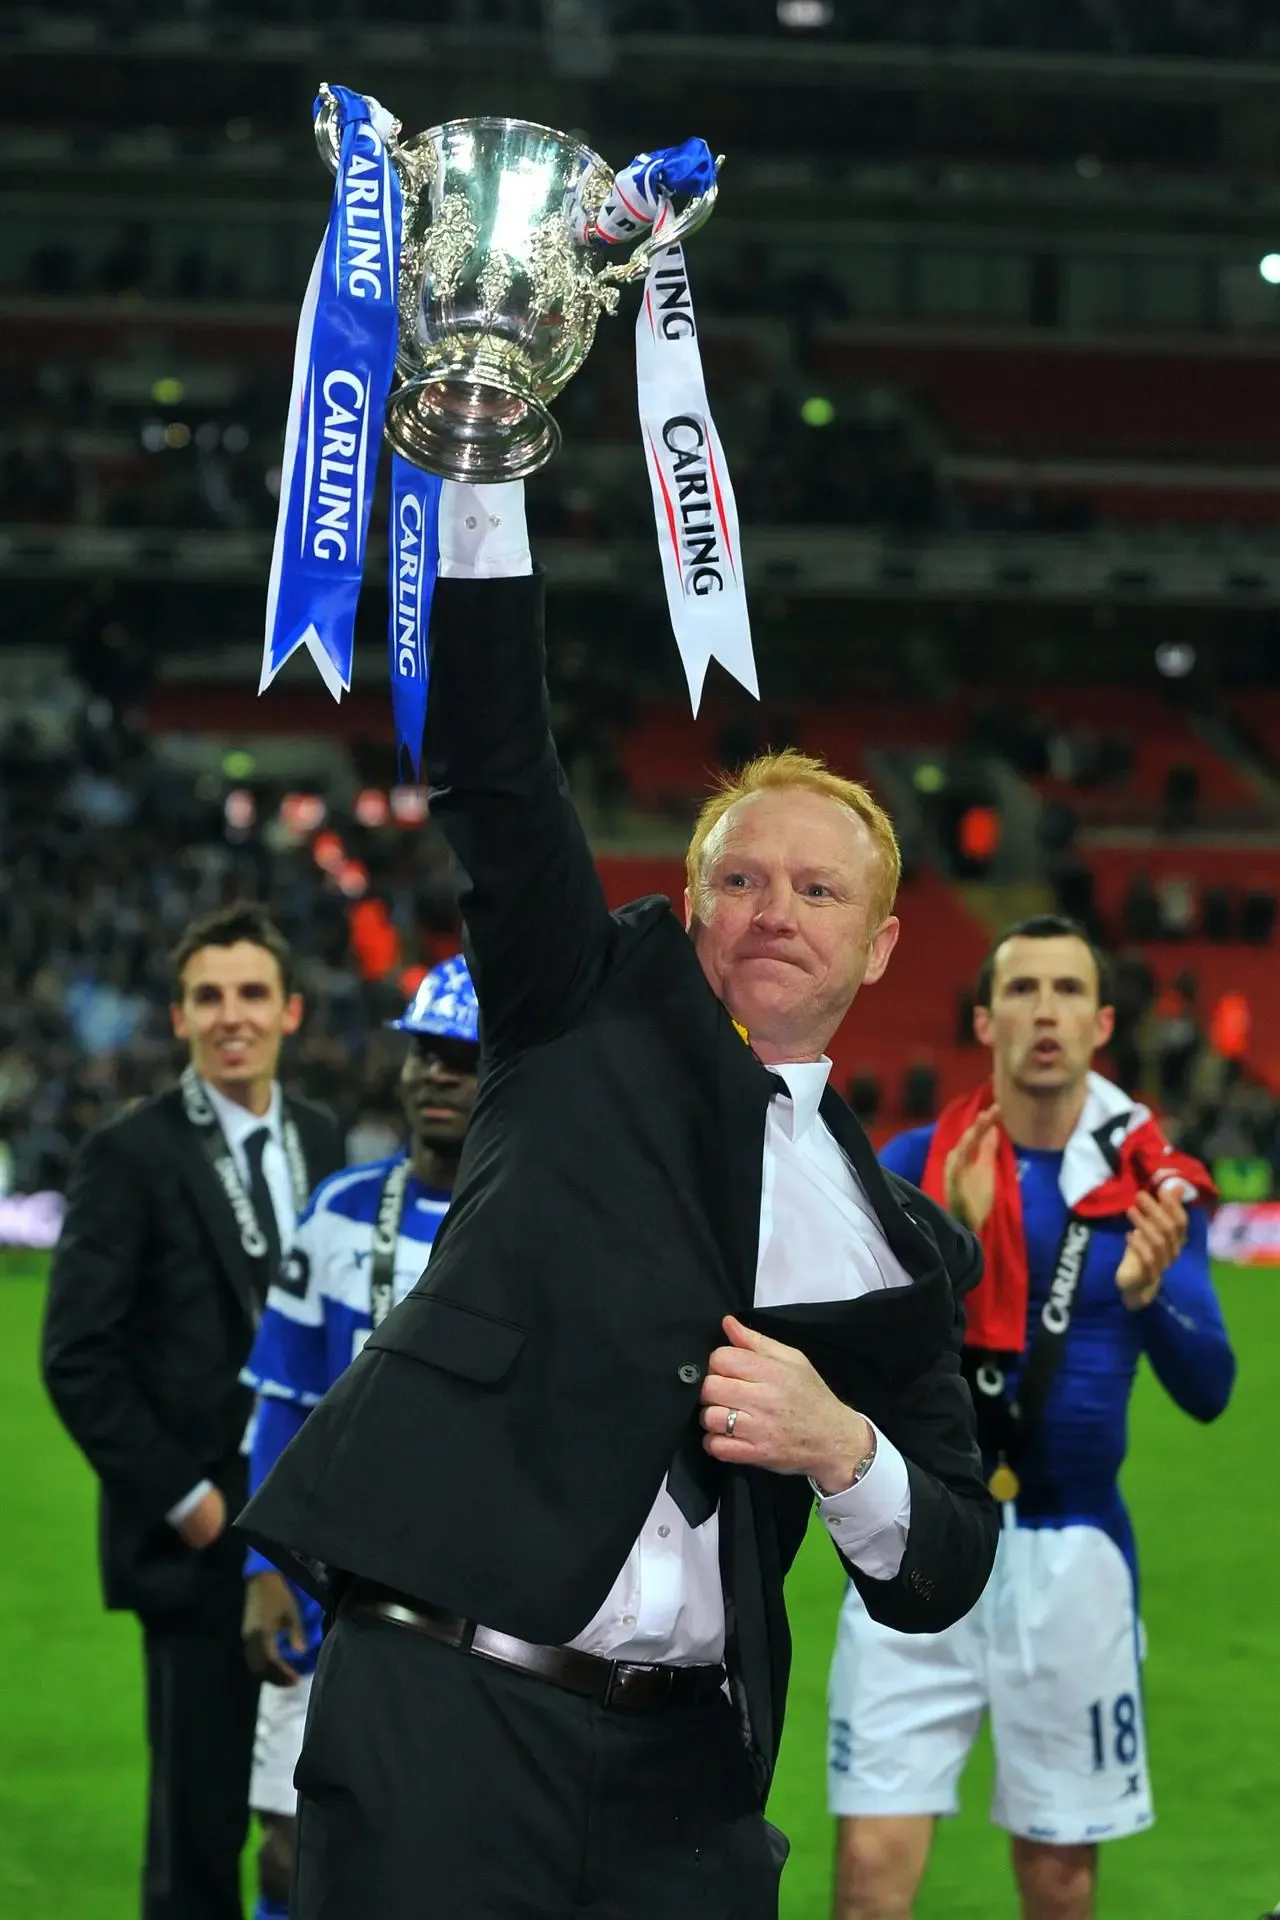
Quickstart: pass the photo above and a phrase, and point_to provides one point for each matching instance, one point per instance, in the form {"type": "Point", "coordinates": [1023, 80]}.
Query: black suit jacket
{"type": "Point", "coordinates": [498, 1444]}
{"type": "Point", "coordinates": [150, 1317]}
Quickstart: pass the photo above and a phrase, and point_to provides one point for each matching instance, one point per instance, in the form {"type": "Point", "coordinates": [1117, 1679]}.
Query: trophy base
{"type": "Point", "coordinates": [462, 428]}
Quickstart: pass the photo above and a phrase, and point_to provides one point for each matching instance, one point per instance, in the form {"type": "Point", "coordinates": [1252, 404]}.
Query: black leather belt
{"type": "Point", "coordinates": [612, 1683]}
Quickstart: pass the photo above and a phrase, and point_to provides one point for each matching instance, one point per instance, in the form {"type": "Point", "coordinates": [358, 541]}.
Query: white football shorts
{"type": "Point", "coordinates": [1051, 1652]}
{"type": "Point", "coordinates": [277, 1742]}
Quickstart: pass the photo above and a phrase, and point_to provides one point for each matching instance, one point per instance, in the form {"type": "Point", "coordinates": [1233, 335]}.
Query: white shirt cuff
{"type": "Point", "coordinates": [177, 1514]}
{"type": "Point", "coordinates": [482, 531]}
{"type": "Point", "coordinates": [869, 1522]}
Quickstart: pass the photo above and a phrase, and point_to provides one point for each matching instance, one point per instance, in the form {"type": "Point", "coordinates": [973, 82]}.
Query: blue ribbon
{"type": "Point", "coordinates": [343, 367]}
{"type": "Point", "coordinates": [687, 168]}
{"type": "Point", "coordinates": [415, 557]}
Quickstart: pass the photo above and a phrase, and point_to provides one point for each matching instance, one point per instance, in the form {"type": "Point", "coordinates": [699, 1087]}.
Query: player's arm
{"type": "Point", "coordinates": [907, 1153]}
{"type": "Point", "coordinates": [97, 1272]}
{"type": "Point", "coordinates": [1183, 1332]}
{"type": "Point", "coordinates": [538, 930]}
{"type": "Point", "coordinates": [287, 1370]}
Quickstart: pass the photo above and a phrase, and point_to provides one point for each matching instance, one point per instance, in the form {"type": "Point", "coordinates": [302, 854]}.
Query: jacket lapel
{"type": "Point", "coordinates": [912, 1245]}
{"type": "Point", "coordinates": [893, 1329]}
{"type": "Point", "coordinates": [889, 1329]}
{"type": "Point", "coordinates": [214, 1209]}
{"type": "Point", "coordinates": [745, 1090]}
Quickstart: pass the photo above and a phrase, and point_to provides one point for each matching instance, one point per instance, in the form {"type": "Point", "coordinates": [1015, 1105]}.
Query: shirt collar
{"type": "Point", "coordinates": [806, 1083]}
{"type": "Point", "coordinates": [238, 1123]}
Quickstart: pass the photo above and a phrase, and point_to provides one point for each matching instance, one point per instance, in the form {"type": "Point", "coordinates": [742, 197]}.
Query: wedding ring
{"type": "Point", "coordinates": [731, 1420]}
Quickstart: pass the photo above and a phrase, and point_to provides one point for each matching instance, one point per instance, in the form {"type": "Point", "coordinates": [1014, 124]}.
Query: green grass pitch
{"type": "Point", "coordinates": [71, 1746]}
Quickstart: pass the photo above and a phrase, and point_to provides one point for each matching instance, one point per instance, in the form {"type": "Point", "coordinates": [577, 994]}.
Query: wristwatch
{"type": "Point", "coordinates": [860, 1472]}
{"type": "Point", "coordinates": [867, 1461]}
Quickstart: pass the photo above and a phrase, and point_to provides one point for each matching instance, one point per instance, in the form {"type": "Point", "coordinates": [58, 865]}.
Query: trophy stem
{"type": "Point", "coordinates": [478, 424]}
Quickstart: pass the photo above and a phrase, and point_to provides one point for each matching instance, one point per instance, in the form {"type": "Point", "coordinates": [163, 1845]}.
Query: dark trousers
{"type": "Point", "coordinates": [434, 1783]}
{"type": "Point", "coordinates": [201, 1708]}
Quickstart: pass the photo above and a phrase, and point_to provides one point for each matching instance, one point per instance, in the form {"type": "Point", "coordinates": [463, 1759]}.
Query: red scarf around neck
{"type": "Point", "coordinates": [996, 1310]}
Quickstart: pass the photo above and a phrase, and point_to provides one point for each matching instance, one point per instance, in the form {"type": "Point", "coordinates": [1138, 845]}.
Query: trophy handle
{"type": "Point", "coordinates": [695, 215]}
{"type": "Point", "coordinates": [328, 138]}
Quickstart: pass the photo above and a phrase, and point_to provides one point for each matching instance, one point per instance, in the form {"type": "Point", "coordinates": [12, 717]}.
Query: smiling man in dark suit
{"type": "Point", "coordinates": [675, 1301]}
{"type": "Point", "coordinates": [176, 1218]}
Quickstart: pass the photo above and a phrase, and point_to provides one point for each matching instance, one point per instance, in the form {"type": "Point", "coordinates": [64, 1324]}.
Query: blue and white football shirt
{"type": "Point", "coordinates": [1070, 1474]}
{"type": "Point", "coordinates": [318, 1316]}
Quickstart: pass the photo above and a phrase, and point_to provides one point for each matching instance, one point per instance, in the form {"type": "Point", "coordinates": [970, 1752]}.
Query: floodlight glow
{"type": "Point", "coordinates": [802, 15]}
{"type": "Point", "coordinates": [1269, 268]}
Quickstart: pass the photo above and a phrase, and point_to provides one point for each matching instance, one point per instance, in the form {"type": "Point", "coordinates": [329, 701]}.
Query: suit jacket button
{"type": "Point", "coordinates": [689, 1374]}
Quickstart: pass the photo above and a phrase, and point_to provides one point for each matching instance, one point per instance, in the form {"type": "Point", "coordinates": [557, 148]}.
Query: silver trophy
{"type": "Point", "coordinates": [498, 300]}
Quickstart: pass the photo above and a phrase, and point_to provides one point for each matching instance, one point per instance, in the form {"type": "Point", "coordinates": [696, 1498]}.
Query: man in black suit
{"type": "Point", "coordinates": [176, 1217]}
{"type": "Point", "coordinates": [552, 1502]}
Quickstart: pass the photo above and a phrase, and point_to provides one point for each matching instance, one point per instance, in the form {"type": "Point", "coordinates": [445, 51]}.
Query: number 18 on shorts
{"type": "Point", "coordinates": [1051, 1652]}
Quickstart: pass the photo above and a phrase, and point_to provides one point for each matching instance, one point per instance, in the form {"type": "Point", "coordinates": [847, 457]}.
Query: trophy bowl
{"type": "Point", "coordinates": [498, 301]}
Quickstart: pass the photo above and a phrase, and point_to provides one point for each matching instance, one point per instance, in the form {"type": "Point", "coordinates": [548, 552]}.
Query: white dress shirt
{"type": "Point", "coordinates": [237, 1124]}
{"type": "Point", "coordinates": [819, 1240]}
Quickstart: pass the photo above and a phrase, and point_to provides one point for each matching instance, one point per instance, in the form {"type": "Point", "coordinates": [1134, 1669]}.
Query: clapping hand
{"type": "Point", "coordinates": [970, 1172]}
{"type": "Point", "coordinates": [1159, 1233]}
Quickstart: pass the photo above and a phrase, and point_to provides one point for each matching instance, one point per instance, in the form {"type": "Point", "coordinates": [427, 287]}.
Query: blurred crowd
{"type": "Point", "coordinates": [105, 853]}
{"type": "Point", "coordinates": [1201, 28]}
{"type": "Point", "coordinates": [107, 850]}
{"type": "Point", "coordinates": [120, 444]}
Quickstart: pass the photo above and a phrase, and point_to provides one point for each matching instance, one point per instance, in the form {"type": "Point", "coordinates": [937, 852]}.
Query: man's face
{"type": "Point", "coordinates": [234, 1014]}
{"type": "Point", "coordinates": [783, 918]}
{"type": "Point", "coordinates": [438, 1089]}
{"type": "Point", "coordinates": [1044, 1024]}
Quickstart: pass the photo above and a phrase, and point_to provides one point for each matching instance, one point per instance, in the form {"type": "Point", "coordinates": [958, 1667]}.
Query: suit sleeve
{"type": "Point", "coordinates": [97, 1271]}
{"type": "Point", "coordinates": [277, 1423]}
{"type": "Point", "coordinates": [538, 930]}
{"type": "Point", "coordinates": [954, 1525]}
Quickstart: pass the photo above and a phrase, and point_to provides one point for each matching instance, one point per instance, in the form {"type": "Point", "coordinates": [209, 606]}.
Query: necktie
{"type": "Point", "coordinates": [260, 1193]}
{"type": "Point", "coordinates": [693, 1478]}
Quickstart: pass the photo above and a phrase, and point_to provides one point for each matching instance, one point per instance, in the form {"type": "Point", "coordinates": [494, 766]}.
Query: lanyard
{"type": "Point", "coordinates": [1008, 1423]}
{"type": "Point", "coordinates": [213, 1144]}
{"type": "Point", "coordinates": [386, 1232]}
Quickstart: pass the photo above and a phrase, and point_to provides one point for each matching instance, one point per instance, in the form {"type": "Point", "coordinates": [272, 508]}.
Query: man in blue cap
{"type": "Point", "coordinates": [362, 1244]}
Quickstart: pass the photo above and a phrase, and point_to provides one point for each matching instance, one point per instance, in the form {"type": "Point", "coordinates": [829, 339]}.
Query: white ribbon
{"type": "Point", "coordinates": [693, 503]}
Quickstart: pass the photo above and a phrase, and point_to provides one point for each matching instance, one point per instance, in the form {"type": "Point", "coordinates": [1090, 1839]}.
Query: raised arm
{"type": "Point", "coordinates": [538, 930]}
{"type": "Point", "coordinates": [97, 1272]}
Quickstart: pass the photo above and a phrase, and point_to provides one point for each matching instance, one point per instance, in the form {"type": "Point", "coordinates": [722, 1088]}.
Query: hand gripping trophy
{"type": "Point", "coordinates": [455, 294]}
